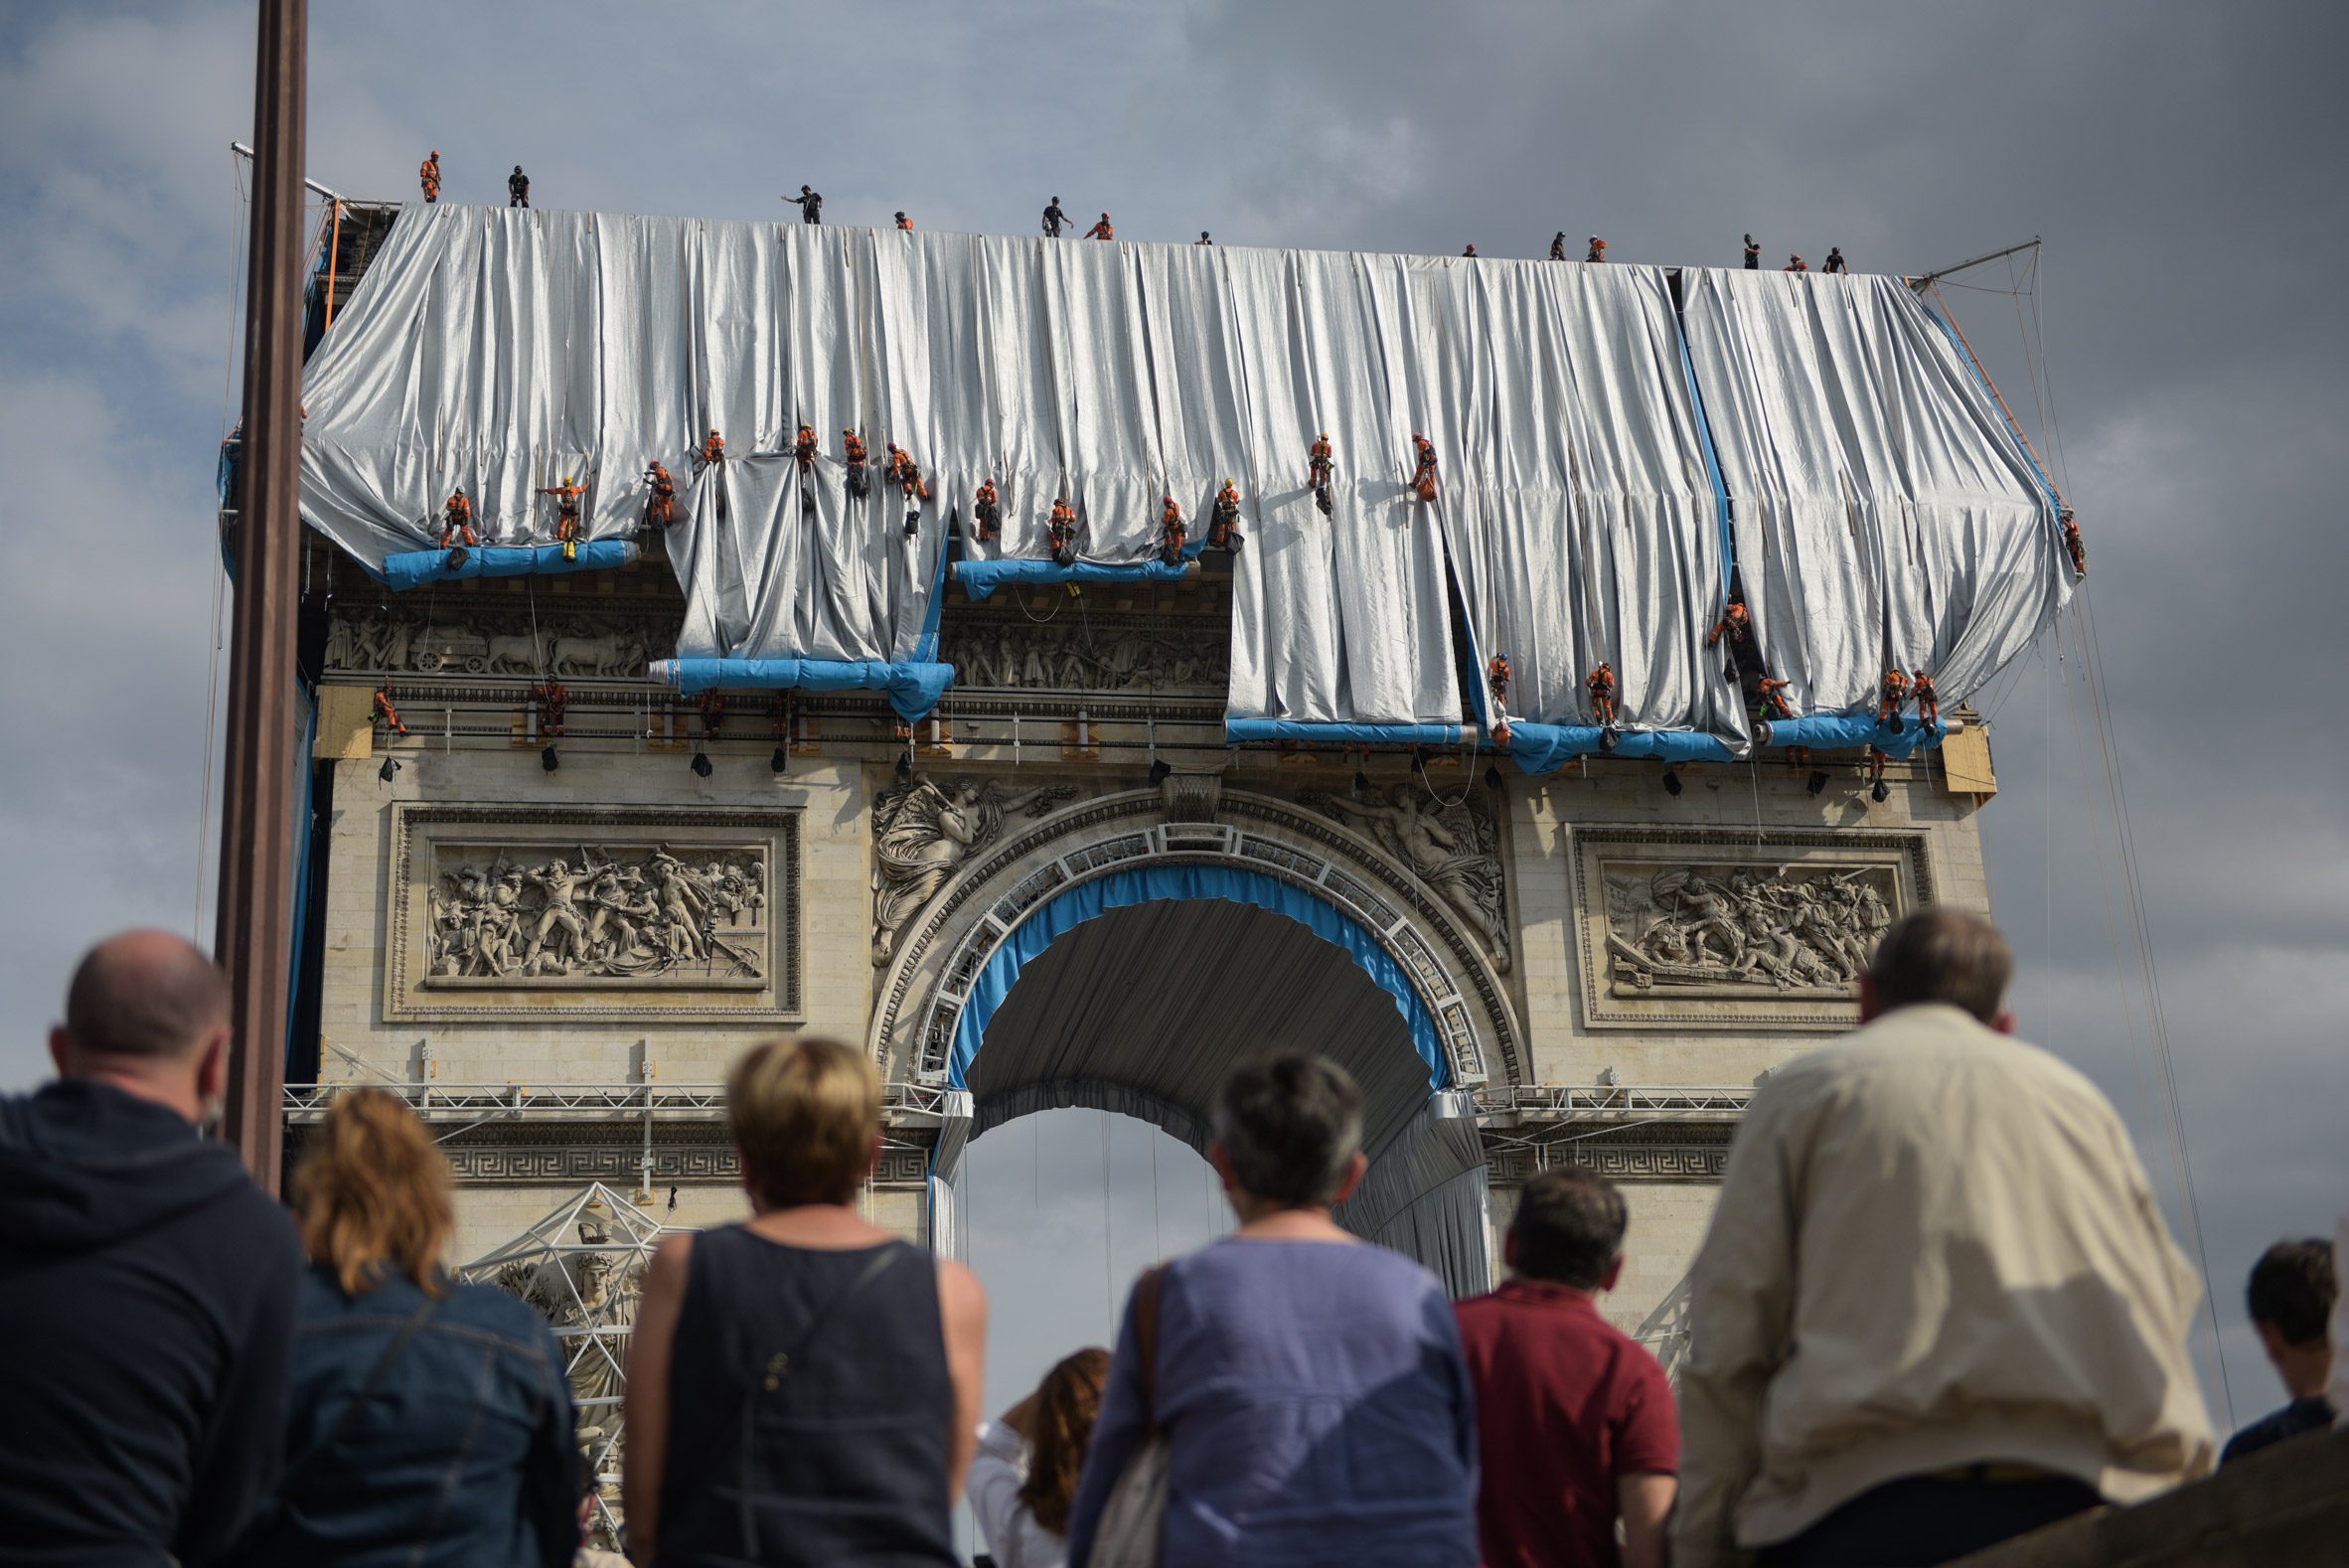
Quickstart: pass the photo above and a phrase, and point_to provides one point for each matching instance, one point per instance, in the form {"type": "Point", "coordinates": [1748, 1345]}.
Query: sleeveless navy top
{"type": "Point", "coordinates": [840, 1457]}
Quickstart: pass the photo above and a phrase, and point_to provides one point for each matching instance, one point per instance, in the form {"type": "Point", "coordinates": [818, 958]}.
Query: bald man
{"type": "Point", "coordinates": [147, 1286]}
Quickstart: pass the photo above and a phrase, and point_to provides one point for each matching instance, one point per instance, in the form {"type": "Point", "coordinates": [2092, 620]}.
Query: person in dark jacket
{"type": "Point", "coordinates": [2293, 1293]}
{"type": "Point", "coordinates": [431, 1422]}
{"type": "Point", "coordinates": [146, 1286]}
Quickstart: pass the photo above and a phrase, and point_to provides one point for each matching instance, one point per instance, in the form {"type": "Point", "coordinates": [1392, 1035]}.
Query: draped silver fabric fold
{"type": "Point", "coordinates": [1885, 512]}
{"type": "Point", "coordinates": [1582, 518]}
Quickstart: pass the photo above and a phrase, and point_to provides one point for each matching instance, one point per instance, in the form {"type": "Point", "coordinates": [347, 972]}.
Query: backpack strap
{"type": "Point", "coordinates": [1146, 1342]}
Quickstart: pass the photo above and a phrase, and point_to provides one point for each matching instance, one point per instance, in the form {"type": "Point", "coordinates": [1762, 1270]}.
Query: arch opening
{"type": "Point", "coordinates": [1136, 993]}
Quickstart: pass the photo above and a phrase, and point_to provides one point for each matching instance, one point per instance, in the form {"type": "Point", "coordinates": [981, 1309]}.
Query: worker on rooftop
{"type": "Point", "coordinates": [1834, 262]}
{"type": "Point", "coordinates": [428, 176]}
{"type": "Point", "coordinates": [1597, 250]}
{"type": "Point", "coordinates": [518, 187]}
{"type": "Point", "coordinates": [810, 203]}
{"type": "Point", "coordinates": [904, 224]}
{"type": "Point", "coordinates": [1558, 245]}
{"type": "Point", "coordinates": [1796, 264]}
{"type": "Point", "coordinates": [1753, 254]}
{"type": "Point", "coordinates": [1471, 251]}
{"type": "Point", "coordinates": [1101, 230]}
{"type": "Point", "coordinates": [1203, 239]}
{"type": "Point", "coordinates": [1054, 218]}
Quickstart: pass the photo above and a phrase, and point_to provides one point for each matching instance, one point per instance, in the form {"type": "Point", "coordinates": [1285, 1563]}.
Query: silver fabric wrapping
{"type": "Point", "coordinates": [1884, 511]}
{"type": "Point", "coordinates": [1581, 515]}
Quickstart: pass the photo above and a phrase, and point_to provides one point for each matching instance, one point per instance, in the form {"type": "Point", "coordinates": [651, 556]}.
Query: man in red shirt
{"type": "Point", "coordinates": [1575, 1425]}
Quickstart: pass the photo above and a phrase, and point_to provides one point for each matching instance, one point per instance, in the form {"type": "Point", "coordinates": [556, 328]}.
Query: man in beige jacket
{"type": "Point", "coordinates": [1938, 1306]}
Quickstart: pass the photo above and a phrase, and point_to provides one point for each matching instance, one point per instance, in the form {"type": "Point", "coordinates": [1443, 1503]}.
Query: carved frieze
{"type": "Point", "coordinates": [1173, 655]}
{"type": "Point", "coordinates": [481, 636]}
{"type": "Point", "coordinates": [1697, 929]}
{"type": "Point", "coordinates": [1453, 846]}
{"type": "Point", "coordinates": [921, 834]}
{"type": "Point", "coordinates": [593, 912]}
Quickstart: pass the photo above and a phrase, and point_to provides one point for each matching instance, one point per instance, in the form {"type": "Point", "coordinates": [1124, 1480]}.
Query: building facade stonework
{"type": "Point", "coordinates": [555, 935]}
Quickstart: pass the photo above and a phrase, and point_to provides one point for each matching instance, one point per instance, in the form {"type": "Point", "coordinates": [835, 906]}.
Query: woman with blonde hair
{"type": "Point", "coordinates": [429, 1422]}
{"type": "Point", "coordinates": [803, 1388]}
{"type": "Point", "coordinates": [1023, 1478]}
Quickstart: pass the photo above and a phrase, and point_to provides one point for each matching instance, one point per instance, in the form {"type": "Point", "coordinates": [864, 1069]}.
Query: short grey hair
{"type": "Point", "coordinates": [1940, 954]}
{"type": "Point", "coordinates": [1290, 1124]}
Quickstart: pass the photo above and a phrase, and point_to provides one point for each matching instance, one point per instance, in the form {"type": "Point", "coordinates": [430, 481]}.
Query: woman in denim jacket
{"type": "Point", "coordinates": [429, 1422]}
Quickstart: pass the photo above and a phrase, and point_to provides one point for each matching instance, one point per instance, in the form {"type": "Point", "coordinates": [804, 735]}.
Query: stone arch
{"type": "Point", "coordinates": [930, 978]}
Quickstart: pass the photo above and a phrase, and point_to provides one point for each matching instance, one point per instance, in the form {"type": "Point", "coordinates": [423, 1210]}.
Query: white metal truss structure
{"type": "Point", "coordinates": [1665, 1331]}
{"type": "Point", "coordinates": [582, 1266]}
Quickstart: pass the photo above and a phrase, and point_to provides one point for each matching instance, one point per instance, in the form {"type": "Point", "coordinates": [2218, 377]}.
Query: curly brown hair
{"type": "Point", "coordinates": [1067, 1402]}
{"type": "Point", "coordinates": [375, 1196]}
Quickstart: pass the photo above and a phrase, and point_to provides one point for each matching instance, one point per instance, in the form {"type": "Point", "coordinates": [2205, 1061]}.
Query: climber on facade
{"type": "Point", "coordinates": [810, 203]}
{"type": "Point", "coordinates": [428, 176]}
{"type": "Point", "coordinates": [852, 453]}
{"type": "Point", "coordinates": [567, 514]}
{"type": "Point", "coordinates": [1597, 251]}
{"type": "Point", "coordinates": [987, 507]}
{"type": "Point", "coordinates": [1601, 686]}
{"type": "Point", "coordinates": [1101, 230]}
{"type": "Point", "coordinates": [1734, 623]}
{"type": "Point", "coordinates": [1423, 472]}
{"type": "Point", "coordinates": [1929, 700]}
{"type": "Point", "coordinates": [383, 711]}
{"type": "Point", "coordinates": [1496, 683]}
{"type": "Point", "coordinates": [1323, 467]}
{"type": "Point", "coordinates": [518, 187]}
{"type": "Point", "coordinates": [908, 476]}
{"type": "Point", "coordinates": [1054, 218]}
{"type": "Point", "coordinates": [456, 521]}
{"type": "Point", "coordinates": [1753, 254]}
{"type": "Point", "coordinates": [803, 449]}
{"type": "Point", "coordinates": [1894, 692]}
{"type": "Point", "coordinates": [713, 451]}
{"type": "Point", "coordinates": [1172, 531]}
{"type": "Point", "coordinates": [1834, 263]}
{"type": "Point", "coordinates": [660, 501]}
{"type": "Point", "coordinates": [1223, 525]}
{"type": "Point", "coordinates": [1773, 698]}
{"type": "Point", "coordinates": [1062, 531]}
{"type": "Point", "coordinates": [552, 702]}
{"type": "Point", "coordinates": [2074, 544]}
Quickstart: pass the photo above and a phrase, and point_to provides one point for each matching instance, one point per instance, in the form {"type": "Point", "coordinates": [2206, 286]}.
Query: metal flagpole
{"type": "Point", "coordinates": [253, 936]}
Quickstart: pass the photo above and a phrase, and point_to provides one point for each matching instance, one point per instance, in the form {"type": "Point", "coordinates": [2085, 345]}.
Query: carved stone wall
{"type": "Point", "coordinates": [504, 634]}
{"type": "Point", "coordinates": [605, 913]}
{"type": "Point", "coordinates": [1091, 652]}
{"type": "Point", "coordinates": [1697, 928]}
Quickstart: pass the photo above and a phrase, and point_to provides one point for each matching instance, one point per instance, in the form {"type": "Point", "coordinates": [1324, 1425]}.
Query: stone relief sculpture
{"type": "Point", "coordinates": [583, 647]}
{"type": "Point", "coordinates": [1078, 659]}
{"type": "Point", "coordinates": [921, 834]}
{"type": "Point", "coordinates": [1453, 848]}
{"type": "Point", "coordinates": [634, 914]}
{"type": "Point", "coordinates": [1778, 928]}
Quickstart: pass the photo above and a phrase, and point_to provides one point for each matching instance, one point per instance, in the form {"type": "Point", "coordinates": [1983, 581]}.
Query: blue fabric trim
{"type": "Point", "coordinates": [914, 688]}
{"type": "Point", "coordinates": [1984, 377]}
{"type": "Point", "coordinates": [415, 567]}
{"type": "Point", "coordinates": [1704, 439]}
{"type": "Point", "coordinates": [1158, 884]}
{"type": "Point", "coordinates": [982, 577]}
{"type": "Point", "coordinates": [1829, 730]}
{"type": "Point", "coordinates": [1545, 749]}
{"type": "Point", "coordinates": [1241, 730]}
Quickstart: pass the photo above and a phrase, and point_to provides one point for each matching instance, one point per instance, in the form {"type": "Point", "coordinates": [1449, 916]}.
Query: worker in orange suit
{"type": "Point", "coordinates": [2074, 544]}
{"type": "Point", "coordinates": [1322, 468]}
{"type": "Point", "coordinates": [1423, 475]}
{"type": "Point", "coordinates": [428, 176]}
{"type": "Point", "coordinates": [803, 447]}
{"type": "Point", "coordinates": [456, 520]}
{"type": "Point", "coordinates": [1062, 530]}
{"type": "Point", "coordinates": [552, 703]}
{"type": "Point", "coordinates": [904, 224]}
{"type": "Point", "coordinates": [1773, 698]}
{"type": "Point", "coordinates": [987, 507]}
{"type": "Point", "coordinates": [1101, 230]}
{"type": "Point", "coordinates": [1929, 700]}
{"type": "Point", "coordinates": [1796, 264]}
{"type": "Point", "coordinates": [386, 712]}
{"type": "Point", "coordinates": [1172, 530]}
{"type": "Point", "coordinates": [852, 454]}
{"type": "Point", "coordinates": [1735, 623]}
{"type": "Point", "coordinates": [1894, 693]}
{"type": "Point", "coordinates": [660, 504]}
{"type": "Point", "coordinates": [1497, 681]}
{"type": "Point", "coordinates": [712, 451]}
{"type": "Point", "coordinates": [1223, 525]}
{"type": "Point", "coordinates": [567, 514]}
{"type": "Point", "coordinates": [1597, 251]}
{"type": "Point", "coordinates": [1601, 686]}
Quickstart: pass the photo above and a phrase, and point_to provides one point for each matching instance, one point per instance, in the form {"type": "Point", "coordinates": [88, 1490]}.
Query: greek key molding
{"type": "Point", "coordinates": [421, 831]}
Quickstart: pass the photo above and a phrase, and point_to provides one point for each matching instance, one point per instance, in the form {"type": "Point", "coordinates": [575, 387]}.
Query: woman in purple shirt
{"type": "Point", "coordinates": [1311, 1387]}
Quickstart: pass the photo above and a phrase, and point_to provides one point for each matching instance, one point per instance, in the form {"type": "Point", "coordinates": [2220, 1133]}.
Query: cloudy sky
{"type": "Point", "coordinates": [2181, 160]}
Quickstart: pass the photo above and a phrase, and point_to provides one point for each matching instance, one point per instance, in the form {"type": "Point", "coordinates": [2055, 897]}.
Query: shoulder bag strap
{"type": "Point", "coordinates": [1146, 1342]}
{"type": "Point", "coordinates": [780, 1367]}
{"type": "Point", "coordinates": [300, 1468]}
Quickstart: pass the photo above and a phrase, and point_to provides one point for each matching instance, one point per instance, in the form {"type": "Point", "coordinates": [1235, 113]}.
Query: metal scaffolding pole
{"type": "Point", "coordinates": [252, 937]}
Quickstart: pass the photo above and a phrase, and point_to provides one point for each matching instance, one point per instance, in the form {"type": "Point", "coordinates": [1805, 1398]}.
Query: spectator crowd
{"type": "Point", "coordinates": [1937, 1308]}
